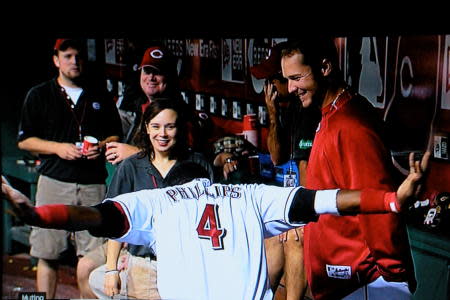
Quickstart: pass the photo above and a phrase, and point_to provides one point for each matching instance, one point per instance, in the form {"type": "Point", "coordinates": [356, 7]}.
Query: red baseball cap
{"type": "Point", "coordinates": [58, 43]}
{"type": "Point", "coordinates": [156, 57]}
{"type": "Point", "coordinates": [63, 44]}
{"type": "Point", "coordinates": [269, 66]}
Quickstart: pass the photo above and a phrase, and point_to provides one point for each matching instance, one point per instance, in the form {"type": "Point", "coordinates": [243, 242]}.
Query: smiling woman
{"type": "Point", "coordinates": [163, 128]}
{"type": "Point", "coordinates": [162, 131]}
{"type": "Point", "coordinates": [162, 141]}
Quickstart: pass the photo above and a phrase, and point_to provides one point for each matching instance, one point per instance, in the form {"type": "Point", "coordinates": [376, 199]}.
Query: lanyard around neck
{"type": "Point", "coordinates": [71, 106]}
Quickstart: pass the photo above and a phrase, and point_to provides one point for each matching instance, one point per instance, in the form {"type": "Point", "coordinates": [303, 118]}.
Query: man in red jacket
{"type": "Point", "coordinates": [249, 213]}
{"type": "Point", "coordinates": [347, 256]}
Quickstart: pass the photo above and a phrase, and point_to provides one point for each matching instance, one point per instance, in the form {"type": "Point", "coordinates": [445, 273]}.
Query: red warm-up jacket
{"type": "Point", "coordinates": [343, 253]}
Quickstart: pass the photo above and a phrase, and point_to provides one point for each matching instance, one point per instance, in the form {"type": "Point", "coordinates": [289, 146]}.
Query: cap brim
{"type": "Point", "coordinates": [152, 66]}
{"type": "Point", "coordinates": [261, 71]}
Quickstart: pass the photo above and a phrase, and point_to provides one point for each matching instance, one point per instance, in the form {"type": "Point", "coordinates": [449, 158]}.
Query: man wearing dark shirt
{"type": "Point", "coordinates": [56, 116]}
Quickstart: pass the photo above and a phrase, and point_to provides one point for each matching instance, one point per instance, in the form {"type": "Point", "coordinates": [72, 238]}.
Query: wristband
{"type": "Point", "coordinates": [391, 202]}
{"type": "Point", "coordinates": [55, 216]}
{"type": "Point", "coordinates": [378, 201]}
{"type": "Point", "coordinates": [325, 202]}
{"type": "Point", "coordinates": [111, 271]}
{"type": "Point", "coordinates": [302, 207]}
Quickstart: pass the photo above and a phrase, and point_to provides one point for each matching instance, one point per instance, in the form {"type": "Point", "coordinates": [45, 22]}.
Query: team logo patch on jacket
{"type": "Point", "coordinates": [339, 272]}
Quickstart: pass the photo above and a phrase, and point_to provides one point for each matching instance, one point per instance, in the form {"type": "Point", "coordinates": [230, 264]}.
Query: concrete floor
{"type": "Point", "coordinates": [18, 275]}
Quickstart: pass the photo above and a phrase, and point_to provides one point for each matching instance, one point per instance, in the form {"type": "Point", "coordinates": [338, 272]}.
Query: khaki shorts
{"type": "Point", "coordinates": [138, 279]}
{"type": "Point", "coordinates": [50, 243]}
{"type": "Point", "coordinates": [98, 255]}
{"type": "Point", "coordinates": [141, 278]}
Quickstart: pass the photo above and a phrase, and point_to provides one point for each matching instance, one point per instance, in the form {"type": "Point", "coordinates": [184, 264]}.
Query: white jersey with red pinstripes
{"type": "Point", "coordinates": [209, 238]}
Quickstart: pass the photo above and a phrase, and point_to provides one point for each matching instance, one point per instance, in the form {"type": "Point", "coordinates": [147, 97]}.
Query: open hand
{"type": "Point", "coordinates": [412, 185]}
{"type": "Point", "coordinates": [112, 283]}
{"type": "Point", "coordinates": [21, 204]}
{"type": "Point", "coordinates": [270, 96]}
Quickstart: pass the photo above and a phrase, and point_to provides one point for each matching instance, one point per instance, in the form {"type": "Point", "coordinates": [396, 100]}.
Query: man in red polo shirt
{"type": "Point", "coordinates": [353, 255]}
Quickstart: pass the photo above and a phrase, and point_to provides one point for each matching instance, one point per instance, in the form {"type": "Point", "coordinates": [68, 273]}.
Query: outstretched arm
{"type": "Point", "coordinates": [67, 217]}
{"type": "Point", "coordinates": [396, 202]}
{"type": "Point", "coordinates": [56, 216]}
{"type": "Point", "coordinates": [307, 204]}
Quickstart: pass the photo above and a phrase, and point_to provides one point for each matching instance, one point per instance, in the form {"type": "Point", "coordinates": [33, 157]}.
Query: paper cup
{"type": "Point", "coordinates": [88, 142]}
{"type": "Point", "coordinates": [249, 127]}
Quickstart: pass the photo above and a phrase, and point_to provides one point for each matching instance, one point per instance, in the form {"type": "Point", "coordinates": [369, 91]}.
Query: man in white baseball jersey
{"type": "Point", "coordinates": [209, 238]}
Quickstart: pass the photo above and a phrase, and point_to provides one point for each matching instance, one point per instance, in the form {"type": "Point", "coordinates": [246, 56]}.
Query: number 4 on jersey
{"type": "Point", "coordinates": [209, 227]}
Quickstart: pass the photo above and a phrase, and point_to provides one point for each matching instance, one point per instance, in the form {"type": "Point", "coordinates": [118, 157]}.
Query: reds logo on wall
{"type": "Point", "coordinates": [401, 79]}
{"type": "Point", "coordinates": [258, 50]}
{"type": "Point", "coordinates": [413, 103]}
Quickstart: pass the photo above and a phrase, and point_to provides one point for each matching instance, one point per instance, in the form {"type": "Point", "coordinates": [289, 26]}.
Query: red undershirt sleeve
{"type": "Point", "coordinates": [52, 215]}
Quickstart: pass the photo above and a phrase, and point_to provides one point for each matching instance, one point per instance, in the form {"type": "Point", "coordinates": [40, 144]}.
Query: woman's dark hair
{"type": "Point", "coordinates": [142, 140]}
